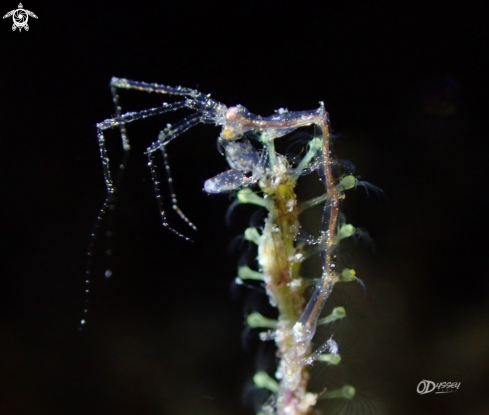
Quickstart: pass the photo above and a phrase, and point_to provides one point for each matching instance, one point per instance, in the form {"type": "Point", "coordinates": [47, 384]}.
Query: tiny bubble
{"type": "Point", "coordinates": [109, 252]}
{"type": "Point", "coordinates": [82, 322]}
{"type": "Point", "coordinates": [108, 273]}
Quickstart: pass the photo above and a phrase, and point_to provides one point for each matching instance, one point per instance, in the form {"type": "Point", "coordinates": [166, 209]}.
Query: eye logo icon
{"type": "Point", "coordinates": [20, 17]}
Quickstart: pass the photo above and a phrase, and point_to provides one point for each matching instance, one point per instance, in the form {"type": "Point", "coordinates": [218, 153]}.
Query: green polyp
{"type": "Point", "coordinates": [332, 359]}
{"type": "Point", "coordinates": [246, 273]}
{"type": "Point", "coordinates": [347, 182]}
{"type": "Point", "coordinates": [346, 392]}
{"type": "Point", "coordinates": [337, 314]}
{"type": "Point", "coordinates": [255, 320]}
{"type": "Point", "coordinates": [346, 230]}
{"type": "Point", "coordinates": [315, 145]}
{"type": "Point", "coordinates": [270, 144]}
{"type": "Point", "coordinates": [252, 235]}
{"type": "Point", "coordinates": [246, 195]}
{"type": "Point", "coordinates": [348, 275]}
{"type": "Point", "coordinates": [264, 381]}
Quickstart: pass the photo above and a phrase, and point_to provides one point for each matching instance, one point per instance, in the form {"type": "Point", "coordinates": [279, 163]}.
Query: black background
{"type": "Point", "coordinates": [406, 87]}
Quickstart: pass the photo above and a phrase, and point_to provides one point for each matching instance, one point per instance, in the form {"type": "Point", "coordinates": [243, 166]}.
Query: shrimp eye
{"type": "Point", "coordinates": [231, 113]}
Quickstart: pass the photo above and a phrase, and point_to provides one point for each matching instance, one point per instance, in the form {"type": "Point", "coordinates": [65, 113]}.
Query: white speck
{"type": "Point", "coordinates": [108, 273]}
{"type": "Point", "coordinates": [290, 205]}
{"type": "Point", "coordinates": [296, 283]}
{"type": "Point", "coordinates": [267, 335]}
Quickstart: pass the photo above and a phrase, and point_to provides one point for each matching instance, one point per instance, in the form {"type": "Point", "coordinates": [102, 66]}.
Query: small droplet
{"type": "Point", "coordinates": [108, 273]}
{"type": "Point", "coordinates": [82, 322]}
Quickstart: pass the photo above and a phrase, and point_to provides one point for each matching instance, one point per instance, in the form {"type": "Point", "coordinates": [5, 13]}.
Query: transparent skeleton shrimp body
{"type": "Point", "coordinates": [248, 166]}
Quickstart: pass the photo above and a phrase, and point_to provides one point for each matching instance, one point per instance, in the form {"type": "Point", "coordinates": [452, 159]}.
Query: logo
{"type": "Point", "coordinates": [427, 386]}
{"type": "Point", "coordinates": [20, 17]}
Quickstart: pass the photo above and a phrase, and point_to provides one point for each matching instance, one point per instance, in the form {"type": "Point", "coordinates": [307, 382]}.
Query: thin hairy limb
{"type": "Point", "coordinates": [156, 185]}
{"type": "Point", "coordinates": [121, 120]}
{"type": "Point", "coordinates": [172, 190]}
{"type": "Point", "coordinates": [173, 131]}
{"type": "Point", "coordinates": [165, 136]}
{"type": "Point", "coordinates": [88, 271]}
{"type": "Point", "coordinates": [152, 87]}
{"type": "Point", "coordinates": [122, 127]}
